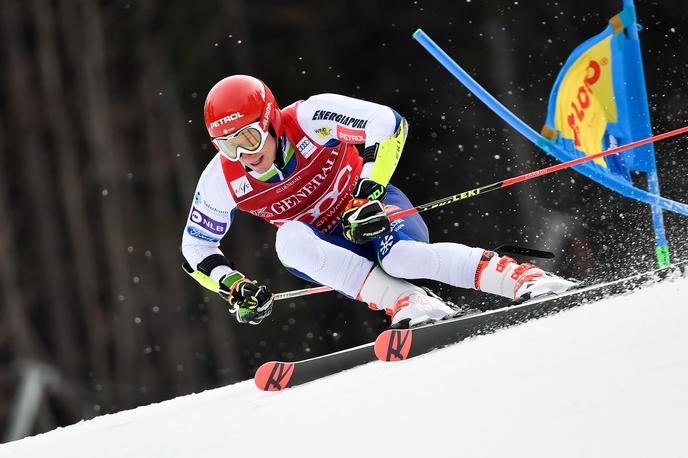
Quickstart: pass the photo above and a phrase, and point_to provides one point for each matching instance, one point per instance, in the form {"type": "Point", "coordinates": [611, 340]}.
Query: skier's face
{"type": "Point", "coordinates": [263, 159]}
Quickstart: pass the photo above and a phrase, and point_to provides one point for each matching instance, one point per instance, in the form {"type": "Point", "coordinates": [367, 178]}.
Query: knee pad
{"type": "Point", "coordinates": [450, 263]}
{"type": "Point", "coordinates": [411, 259]}
{"type": "Point", "coordinates": [298, 247]}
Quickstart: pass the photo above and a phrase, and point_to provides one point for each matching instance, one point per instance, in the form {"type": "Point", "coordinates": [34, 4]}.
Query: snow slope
{"type": "Point", "coordinates": [608, 379]}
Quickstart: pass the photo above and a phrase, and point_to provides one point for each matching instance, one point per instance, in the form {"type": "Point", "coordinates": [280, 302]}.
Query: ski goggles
{"type": "Point", "coordinates": [247, 140]}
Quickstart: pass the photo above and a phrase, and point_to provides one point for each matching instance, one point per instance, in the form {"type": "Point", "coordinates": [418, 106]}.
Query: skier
{"type": "Point", "coordinates": [298, 169]}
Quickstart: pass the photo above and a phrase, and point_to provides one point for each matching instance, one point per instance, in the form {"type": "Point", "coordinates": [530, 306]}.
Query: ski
{"type": "Point", "coordinates": [278, 375]}
{"type": "Point", "coordinates": [400, 344]}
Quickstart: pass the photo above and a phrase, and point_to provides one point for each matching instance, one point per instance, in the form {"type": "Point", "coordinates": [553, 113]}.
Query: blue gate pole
{"type": "Point", "coordinates": [642, 127]}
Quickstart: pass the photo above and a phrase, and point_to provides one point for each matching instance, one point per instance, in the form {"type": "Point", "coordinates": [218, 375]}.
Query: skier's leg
{"type": "Point", "coordinates": [451, 263]}
{"type": "Point", "coordinates": [405, 253]}
{"type": "Point", "coordinates": [465, 267]}
{"type": "Point", "coordinates": [321, 258]}
{"type": "Point", "coordinates": [349, 268]}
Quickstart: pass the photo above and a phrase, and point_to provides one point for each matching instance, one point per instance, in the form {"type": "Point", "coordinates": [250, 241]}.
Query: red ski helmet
{"type": "Point", "coordinates": [237, 101]}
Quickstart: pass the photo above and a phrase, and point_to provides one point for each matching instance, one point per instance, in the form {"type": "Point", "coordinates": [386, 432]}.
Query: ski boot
{"type": "Point", "coordinates": [503, 276]}
{"type": "Point", "coordinates": [407, 304]}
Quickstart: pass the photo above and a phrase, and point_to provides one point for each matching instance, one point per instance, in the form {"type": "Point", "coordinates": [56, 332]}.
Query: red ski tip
{"type": "Point", "coordinates": [393, 345]}
{"type": "Point", "coordinates": [273, 376]}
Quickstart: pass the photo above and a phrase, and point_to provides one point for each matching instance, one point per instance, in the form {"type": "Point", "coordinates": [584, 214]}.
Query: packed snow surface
{"type": "Point", "coordinates": [607, 379]}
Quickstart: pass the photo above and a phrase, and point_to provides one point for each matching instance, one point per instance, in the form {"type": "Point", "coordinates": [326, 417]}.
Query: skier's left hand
{"type": "Point", "coordinates": [364, 218]}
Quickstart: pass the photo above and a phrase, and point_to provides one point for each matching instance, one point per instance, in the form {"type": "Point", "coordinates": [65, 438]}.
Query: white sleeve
{"type": "Point", "coordinates": [209, 218]}
{"type": "Point", "coordinates": [331, 118]}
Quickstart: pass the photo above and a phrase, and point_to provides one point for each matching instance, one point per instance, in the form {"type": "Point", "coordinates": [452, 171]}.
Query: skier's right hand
{"type": "Point", "coordinates": [248, 301]}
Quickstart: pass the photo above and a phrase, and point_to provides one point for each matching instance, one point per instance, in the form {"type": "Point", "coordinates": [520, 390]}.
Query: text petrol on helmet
{"type": "Point", "coordinates": [240, 112]}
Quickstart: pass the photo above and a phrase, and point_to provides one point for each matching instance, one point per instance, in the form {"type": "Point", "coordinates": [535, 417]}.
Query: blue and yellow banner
{"type": "Point", "coordinates": [590, 108]}
{"type": "Point", "coordinates": [598, 102]}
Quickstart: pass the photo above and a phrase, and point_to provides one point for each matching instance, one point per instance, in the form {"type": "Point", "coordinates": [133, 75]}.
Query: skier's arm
{"type": "Point", "coordinates": [208, 221]}
{"type": "Point", "coordinates": [331, 118]}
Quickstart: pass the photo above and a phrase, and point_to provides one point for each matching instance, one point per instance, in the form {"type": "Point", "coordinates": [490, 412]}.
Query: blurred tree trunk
{"type": "Point", "coordinates": [49, 269]}
{"type": "Point", "coordinates": [15, 308]}
{"type": "Point", "coordinates": [89, 53]}
{"type": "Point", "coordinates": [178, 348]}
{"type": "Point", "coordinates": [235, 13]}
{"type": "Point", "coordinates": [72, 192]}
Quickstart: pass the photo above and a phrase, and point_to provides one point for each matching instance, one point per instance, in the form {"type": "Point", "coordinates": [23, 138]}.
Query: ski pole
{"type": "Point", "coordinates": [527, 176]}
{"type": "Point", "coordinates": [524, 251]}
{"type": "Point", "coordinates": [301, 292]}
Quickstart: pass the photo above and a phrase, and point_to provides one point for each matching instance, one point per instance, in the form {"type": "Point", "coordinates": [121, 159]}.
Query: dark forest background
{"type": "Point", "coordinates": [102, 141]}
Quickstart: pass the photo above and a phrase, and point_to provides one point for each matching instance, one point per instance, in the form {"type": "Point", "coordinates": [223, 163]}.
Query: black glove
{"type": "Point", "coordinates": [364, 218]}
{"type": "Point", "coordinates": [248, 302]}
{"type": "Point", "coordinates": [369, 189]}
